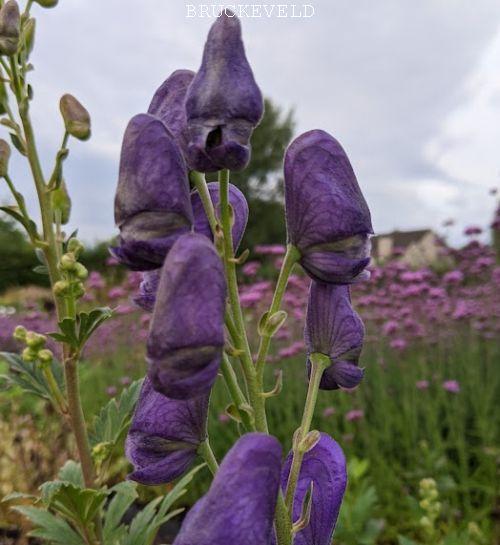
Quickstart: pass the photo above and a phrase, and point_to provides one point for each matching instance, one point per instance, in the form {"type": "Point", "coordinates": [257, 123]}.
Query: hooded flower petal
{"type": "Point", "coordinates": [152, 206]}
{"type": "Point", "coordinates": [223, 103]}
{"type": "Point", "coordinates": [325, 466]}
{"type": "Point", "coordinates": [168, 104]}
{"type": "Point", "coordinates": [147, 290]}
{"type": "Point", "coordinates": [187, 329]}
{"type": "Point", "coordinates": [236, 200]}
{"type": "Point", "coordinates": [335, 329]}
{"type": "Point", "coordinates": [164, 435]}
{"type": "Point", "coordinates": [327, 217]}
{"type": "Point", "coordinates": [239, 507]}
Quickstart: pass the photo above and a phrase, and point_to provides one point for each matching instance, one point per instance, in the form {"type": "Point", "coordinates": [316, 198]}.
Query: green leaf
{"type": "Point", "coordinates": [125, 495]}
{"type": "Point", "coordinates": [41, 269]}
{"type": "Point", "coordinates": [71, 472]}
{"type": "Point", "coordinates": [13, 212]}
{"type": "Point", "coordinates": [114, 418]}
{"type": "Point", "coordinates": [402, 540]}
{"type": "Point", "coordinates": [17, 143]}
{"type": "Point", "coordinates": [29, 376]}
{"type": "Point", "coordinates": [17, 496]}
{"type": "Point", "coordinates": [49, 527]}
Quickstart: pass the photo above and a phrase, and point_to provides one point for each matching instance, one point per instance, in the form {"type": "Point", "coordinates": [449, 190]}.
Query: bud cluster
{"type": "Point", "coordinates": [429, 502]}
{"type": "Point", "coordinates": [72, 271]}
{"type": "Point", "coordinates": [35, 346]}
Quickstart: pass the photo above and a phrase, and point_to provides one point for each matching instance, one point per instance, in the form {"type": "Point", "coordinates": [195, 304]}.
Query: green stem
{"type": "Point", "coordinates": [199, 182]}
{"type": "Point", "coordinates": [319, 362]}
{"type": "Point", "coordinates": [206, 452]}
{"type": "Point", "coordinates": [235, 391]}
{"type": "Point", "coordinates": [55, 391]}
{"type": "Point", "coordinates": [291, 257]}
{"type": "Point", "coordinates": [241, 341]}
{"type": "Point", "coordinates": [283, 522]}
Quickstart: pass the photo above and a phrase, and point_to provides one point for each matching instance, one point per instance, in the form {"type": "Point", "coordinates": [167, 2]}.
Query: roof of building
{"type": "Point", "coordinates": [401, 239]}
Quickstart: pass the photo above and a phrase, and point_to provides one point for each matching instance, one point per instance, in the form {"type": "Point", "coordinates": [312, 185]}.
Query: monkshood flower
{"type": "Point", "coordinates": [239, 507]}
{"type": "Point", "coordinates": [223, 103]}
{"type": "Point", "coordinates": [238, 204]}
{"type": "Point", "coordinates": [149, 285]}
{"type": "Point", "coordinates": [164, 435]}
{"type": "Point", "coordinates": [324, 466]}
{"type": "Point", "coordinates": [152, 206]}
{"type": "Point", "coordinates": [327, 217]}
{"type": "Point", "coordinates": [333, 328]}
{"type": "Point", "coordinates": [168, 104]}
{"type": "Point", "coordinates": [187, 329]}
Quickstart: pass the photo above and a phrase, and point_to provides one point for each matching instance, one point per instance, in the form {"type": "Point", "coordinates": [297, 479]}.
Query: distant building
{"type": "Point", "coordinates": [417, 248]}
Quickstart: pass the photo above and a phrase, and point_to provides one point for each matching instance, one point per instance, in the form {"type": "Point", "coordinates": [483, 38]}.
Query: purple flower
{"type": "Point", "coordinates": [333, 328]}
{"type": "Point", "coordinates": [422, 384]}
{"type": "Point", "coordinates": [187, 329]}
{"type": "Point", "coordinates": [223, 103]}
{"type": "Point", "coordinates": [164, 435]}
{"type": "Point", "coordinates": [451, 386]}
{"type": "Point", "coordinates": [146, 297]}
{"type": "Point", "coordinates": [168, 104]}
{"type": "Point", "coordinates": [325, 466]}
{"type": "Point", "coordinates": [239, 507]}
{"type": "Point", "coordinates": [354, 415]}
{"type": "Point", "coordinates": [236, 200]}
{"type": "Point", "coordinates": [152, 206]}
{"type": "Point", "coordinates": [327, 217]}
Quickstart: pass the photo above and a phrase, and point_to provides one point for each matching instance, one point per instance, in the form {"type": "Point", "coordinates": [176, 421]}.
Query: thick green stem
{"type": "Point", "coordinates": [206, 452]}
{"type": "Point", "coordinates": [319, 362]}
{"type": "Point", "coordinates": [241, 341]}
{"type": "Point", "coordinates": [237, 395]}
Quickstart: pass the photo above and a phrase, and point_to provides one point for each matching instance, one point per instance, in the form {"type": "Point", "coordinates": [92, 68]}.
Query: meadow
{"type": "Point", "coordinates": [421, 432]}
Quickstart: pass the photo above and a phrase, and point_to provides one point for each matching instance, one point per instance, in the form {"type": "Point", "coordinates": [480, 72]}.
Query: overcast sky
{"type": "Point", "coordinates": [411, 90]}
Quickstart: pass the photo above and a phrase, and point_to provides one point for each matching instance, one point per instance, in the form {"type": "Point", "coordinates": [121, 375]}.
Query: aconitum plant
{"type": "Point", "coordinates": [184, 234]}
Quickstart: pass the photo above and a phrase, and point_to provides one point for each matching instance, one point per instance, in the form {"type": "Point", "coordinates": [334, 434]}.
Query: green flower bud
{"type": "Point", "coordinates": [47, 3]}
{"type": "Point", "coordinates": [10, 28]}
{"type": "Point", "coordinates": [35, 340]}
{"type": "Point", "coordinates": [75, 246]}
{"type": "Point", "coordinates": [29, 355]}
{"type": "Point", "coordinates": [4, 158]}
{"type": "Point", "coordinates": [81, 271]}
{"type": "Point", "coordinates": [78, 290]}
{"type": "Point", "coordinates": [45, 356]}
{"type": "Point", "coordinates": [20, 333]}
{"type": "Point", "coordinates": [76, 118]}
{"type": "Point", "coordinates": [61, 202]}
{"type": "Point", "coordinates": [61, 287]}
{"type": "Point", "coordinates": [68, 262]}
{"type": "Point", "coordinates": [426, 522]}
{"type": "Point", "coordinates": [28, 36]}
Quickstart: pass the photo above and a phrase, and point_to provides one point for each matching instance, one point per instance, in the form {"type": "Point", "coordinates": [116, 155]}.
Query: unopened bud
{"type": "Point", "coordinates": [61, 202]}
{"type": "Point", "coordinates": [28, 36]}
{"type": "Point", "coordinates": [81, 271]}
{"type": "Point", "coordinates": [29, 355]}
{"type": "Point", "coordinates": [4, 158]}
{"type": "Point", "coordinates": [20, 333]}
{"type": "Point", "coordinates": [76, 118]}
{"type": "Point", "coordinates": [78, 290]}
{"type": "Point", "coordinates": [10, 28]}
{"type": "Point", "coordinates": [68, 262]}
{"type": "Point", "coordinates": [75, 246]}
{"type": "Point", "coordinates": [61, 287]}
{"type": "Point", "coordinates": [45, 356]}
{"type": "Point", "coordinates": [35, 340]}
{"type": "Point", "coordinates": [47, 3]}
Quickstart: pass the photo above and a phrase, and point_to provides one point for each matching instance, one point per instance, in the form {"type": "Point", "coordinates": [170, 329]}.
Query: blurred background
{"type": "Point", "coordinates": [412, 91]}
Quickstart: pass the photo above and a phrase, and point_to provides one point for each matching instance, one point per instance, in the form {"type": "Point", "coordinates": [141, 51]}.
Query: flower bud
{"type": "Point", "coordinates": [75, 246]}
{"type": "Point", "coordinates": [164, 435]}
{"type": "Point", "coordinates": [76, 118]}
{"type": "Point", "coordinates": [4, 158]}
{"type": "Point", "coordinates": [327, 217]}
{"type": "Point", "coordinates": [81, 271]}
{"type": "Point", "coordinates": [239, 506]}
{"type": "Point", "coordinates": [45, 356]}
{"type": "Point", "coordinates": [61, 287]}
{"type": "Point", "coordinates": [78, 290]}
{"type": "Point", "coordinates": [10, 28]}
{"type": "Point", "coordinates": [223, 103]}
{"type": "Point", "coordinates": [29, 355]}
{"type": "Point", "coordinates": [152, 206]}
{"type": "Point", "coordinates": [67, 262]}
{"type": "Point", "coordinates": [47, 3]}
{"type": "Point", "coordinates": [325, 467]}
{"type": "Point", "coordinates": [186, 337]}
{"type": "Point", "coordinates": [35, 340]}
{"type": "Point", "coordinates": [333, 328]}
{"type": "Point", "coordinates": [61, 202]}
{"type": "Point", "coordinates": [20, 333]}
{"type": "Point", "coordinates": [28, 36]}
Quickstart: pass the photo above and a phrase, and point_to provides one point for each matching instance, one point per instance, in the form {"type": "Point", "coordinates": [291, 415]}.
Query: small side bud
{"type": "Point", "coordinates": [75, 246]}
{"type": "Point", "coordinates": [45, 356]}
{"type": "Point", "coordinates": [47, 3]}
{"type": "Point", "coordinates": [4, 158]}
{"type": "Point", "coordinates": [20, 333]}
{"type": "Point", "coordinates": [61, 288]}
{"type": "Point", "coordinates": [61, 203]}
{"type": "Point", "coordinates": [35, 340]}
{"type": "Point", "coordinates": [68, 262]}
{"type": "Point", "coordinates": [10, 28]}
{"type": "Point", "coordinates": [76, 118]}
{"type": "Point", "coordinates": [81, 271]}
{"type": "Point", "coordinates": [78, 290]}
{"type": "Point", "coordinates": [29, 355]}
{"type": "Point", "coordinates": [28, 36]}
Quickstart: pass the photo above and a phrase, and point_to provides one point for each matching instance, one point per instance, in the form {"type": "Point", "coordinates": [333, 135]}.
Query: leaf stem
{"type": "Point", "coordinates": [206, 452]}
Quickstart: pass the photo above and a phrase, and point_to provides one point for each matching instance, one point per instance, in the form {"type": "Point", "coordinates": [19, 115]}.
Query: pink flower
{"type": "Point", "coordinates": [422, 384]}
{"type": "Point", "coordinates": [354, 415]}
{"type": "Point", "coordinates": [270, 249]}
{"type": "Point", "coordinates": [399, 344]}
{"type": "Point", "coordinates": [451, 386]}
{"type": "Point", "coordinates": [329, 411]}
{"type": "Point", "coordinates": [223, 418]}
{"type": "Point", "coordinates": [251, 268]}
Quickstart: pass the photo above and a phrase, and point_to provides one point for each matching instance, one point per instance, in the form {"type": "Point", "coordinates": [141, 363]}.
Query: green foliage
{"type": "Point", "coordinates": [113, 420]}
{"type": "Point", "coordinates": [29, 375]}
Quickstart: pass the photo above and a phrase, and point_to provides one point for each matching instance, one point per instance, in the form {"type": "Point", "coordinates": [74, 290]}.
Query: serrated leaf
{"type": "Point", "coordinates": [71, 472]}
{"type": "Point", "coordinates": [49, 527]}
{"type": "Point", "coordinates": [29, 376]}
{"type": "Point", "coordinates": [125, 495]}
{"type": "Point", "coordinates": [17, 496]}
{"type": "Point", "coordinates": [115, 416]}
